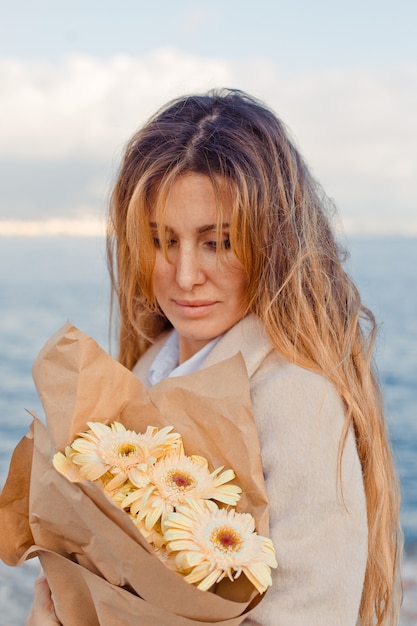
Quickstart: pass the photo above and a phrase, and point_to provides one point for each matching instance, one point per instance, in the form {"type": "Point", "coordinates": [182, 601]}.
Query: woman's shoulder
{"type": "Point", "coordinates": [280, 385]}
{"type": "Point", "coordinates": [264, 363]}
{"type": "Point", "coordinates": [278, 371]}
{"type": "Point", "coordinates": [281, 391]}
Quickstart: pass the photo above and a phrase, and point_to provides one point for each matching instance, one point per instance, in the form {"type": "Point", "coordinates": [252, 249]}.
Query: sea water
{"type": "Point", "coordinates": [46, 281]}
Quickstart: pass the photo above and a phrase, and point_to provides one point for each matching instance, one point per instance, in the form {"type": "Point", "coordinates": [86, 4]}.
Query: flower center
{"type": "Point", "coordinates": [226, 539]}
{"type": "Point", "coordinates": [126, 450]}
{"type": "Point", "coordinates": [180, 480]}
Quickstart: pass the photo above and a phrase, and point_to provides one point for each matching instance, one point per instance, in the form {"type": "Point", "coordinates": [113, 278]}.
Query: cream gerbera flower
{"type": "Point", "coordinates": [212, 543]}
{"type": "Point", "coordinates": [173, 481]}
{"type": "Point", "coordinates": [64, 464]}
{"type": "Point", "coordinates": [124, 453]}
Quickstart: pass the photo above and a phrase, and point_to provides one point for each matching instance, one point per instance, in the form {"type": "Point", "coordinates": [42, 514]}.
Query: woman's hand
{"type": "Point", "coordinates": [43, 612]}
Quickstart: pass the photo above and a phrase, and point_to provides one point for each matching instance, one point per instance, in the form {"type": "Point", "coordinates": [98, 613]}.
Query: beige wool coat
{"type": "Point", "coordinates": [319, 536]}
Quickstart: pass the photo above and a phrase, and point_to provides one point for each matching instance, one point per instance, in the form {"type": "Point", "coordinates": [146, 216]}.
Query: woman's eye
{"type": "Point", "coordinates": [169, 242]}
{"type": "Point", "coordinates": [225, 245]}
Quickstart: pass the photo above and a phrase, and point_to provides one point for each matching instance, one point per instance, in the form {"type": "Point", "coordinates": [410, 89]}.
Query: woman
{"type": "Point", "coordinates": [220, 242]}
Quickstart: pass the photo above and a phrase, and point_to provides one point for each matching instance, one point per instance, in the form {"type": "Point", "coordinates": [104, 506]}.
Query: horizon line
{"type": "Point", "coordinates": [93, 227]}
{"type": "Point", "coordinates": [53, 227]}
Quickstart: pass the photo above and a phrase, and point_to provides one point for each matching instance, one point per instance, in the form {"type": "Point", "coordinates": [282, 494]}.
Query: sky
{"type": "Point", "coordinates": [78, 78]}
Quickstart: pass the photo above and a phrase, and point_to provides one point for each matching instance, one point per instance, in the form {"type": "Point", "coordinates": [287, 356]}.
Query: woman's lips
{"type": "Point", "coordinates": [194, 308]}
{"type": "Point", "coordinates": [194, 302]}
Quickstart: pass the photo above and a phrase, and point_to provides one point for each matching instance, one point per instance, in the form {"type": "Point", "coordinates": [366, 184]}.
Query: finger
{"type": "Point", "coordinates": [42, 595]}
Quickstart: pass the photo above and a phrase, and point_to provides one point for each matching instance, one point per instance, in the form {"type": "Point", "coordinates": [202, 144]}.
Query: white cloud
{"type": "Point", "coordinates": [357, 128]}
{"type": "Point", "coordinates": [89, 106]}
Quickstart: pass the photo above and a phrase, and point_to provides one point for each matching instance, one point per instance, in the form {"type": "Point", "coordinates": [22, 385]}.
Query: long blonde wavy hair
{"type": "Point", "coordinates": [281, 233]}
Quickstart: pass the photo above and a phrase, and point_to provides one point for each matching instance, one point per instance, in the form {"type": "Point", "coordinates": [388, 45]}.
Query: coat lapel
{"type": "Point", "coordinates": [248, 337]}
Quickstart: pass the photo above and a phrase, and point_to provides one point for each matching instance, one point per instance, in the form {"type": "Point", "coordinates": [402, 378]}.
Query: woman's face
{"type": "Point", "coordinates": [200, 292]}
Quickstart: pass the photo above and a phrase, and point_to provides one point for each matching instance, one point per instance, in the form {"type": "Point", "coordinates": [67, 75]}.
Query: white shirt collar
{"type": "Point", "coordinates": [166, 365]}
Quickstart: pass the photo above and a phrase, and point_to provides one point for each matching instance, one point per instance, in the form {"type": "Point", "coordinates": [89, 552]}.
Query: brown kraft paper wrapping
{"type": "Point", "coordinates": [100, 568]}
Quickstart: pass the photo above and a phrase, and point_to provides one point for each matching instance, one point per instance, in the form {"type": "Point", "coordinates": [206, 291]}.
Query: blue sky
{"type": "Point", "coordinates": [76, 80]}
{"type": "Point", "coordinates": [302, 33]}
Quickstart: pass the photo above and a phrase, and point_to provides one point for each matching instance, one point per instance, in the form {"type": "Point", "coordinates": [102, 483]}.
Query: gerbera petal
{"type": "Point", "coordinates": [132, 497]}
{"type": "Point", "coordinates": [99, 429]}
{"type": "Point", "coordinates": [224, 477]}
{"type": "Point", "coordinates": [202, 461]}
{"type": "Point", "coordinates": [183, 544]}
{"type": "Point", "coordinates": [138, 476]}
{"type": "Point", "coordinates": [154, 536]}
{"type": "Point", "coordinates": [117, 427]}
{"type": "Point", "coordinates": [65, 466]}
{"type": "Point", "coordinates": [91, 470]}
{"type": "Point", "coordinates": [228, 494]}
{"type": "Point", "coordinates": [84, 446]}
{"type": "Point", "coordinates": [206, 581]}
{"type": "Point", "coordinates": [153, 515]}
{"type": "Point", "coordinates": [116, 482]}
{"type": "Point", "coordinates": [259, 575]}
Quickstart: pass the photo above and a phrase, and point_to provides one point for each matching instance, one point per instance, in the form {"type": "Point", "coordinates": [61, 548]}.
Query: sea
{"type": "Point", "coordinates": [45, 281]}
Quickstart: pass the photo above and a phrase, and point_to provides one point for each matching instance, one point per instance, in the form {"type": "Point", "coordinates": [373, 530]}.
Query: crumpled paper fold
{"type": "Point", "coordinates": [100, 568]}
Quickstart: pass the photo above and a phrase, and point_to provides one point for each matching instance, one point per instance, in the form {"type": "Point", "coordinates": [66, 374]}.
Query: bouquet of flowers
{"type": "Point", "coordinates": [108, 457]}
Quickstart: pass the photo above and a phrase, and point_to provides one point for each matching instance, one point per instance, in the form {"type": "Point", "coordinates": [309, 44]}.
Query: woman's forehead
{"type": "Point", "coordinates": [191, 190]}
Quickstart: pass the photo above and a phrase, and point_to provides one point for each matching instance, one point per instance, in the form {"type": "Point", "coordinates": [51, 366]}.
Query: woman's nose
{"type": "Point", "coordinates": [189, 271]}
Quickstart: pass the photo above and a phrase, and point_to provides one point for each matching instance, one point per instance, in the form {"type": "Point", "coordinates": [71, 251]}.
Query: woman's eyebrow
{"type": "Point", "coordinates": [210, 227]}
{"type": "Point", "coordinates": [200, 230]}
